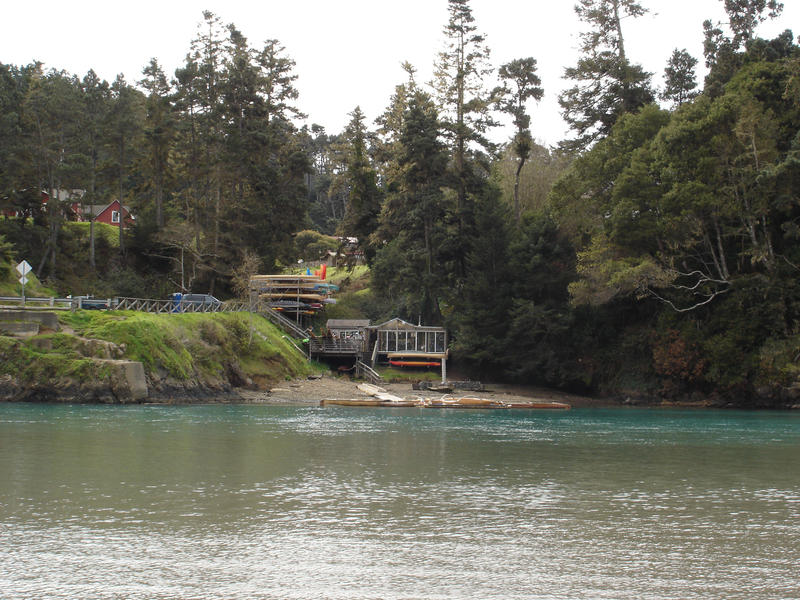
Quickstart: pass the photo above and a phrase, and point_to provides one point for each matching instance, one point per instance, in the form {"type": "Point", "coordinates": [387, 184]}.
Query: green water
{"type": "Point", "coordinates": [306, 502]}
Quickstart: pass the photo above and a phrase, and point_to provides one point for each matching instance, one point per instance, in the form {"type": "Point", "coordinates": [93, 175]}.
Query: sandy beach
{"type": "Point", "coordinates": [312, 391]}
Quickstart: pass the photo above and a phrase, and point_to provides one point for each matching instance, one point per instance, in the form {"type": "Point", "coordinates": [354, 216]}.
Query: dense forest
{"type": "Point", "coordinates": [656, 252]}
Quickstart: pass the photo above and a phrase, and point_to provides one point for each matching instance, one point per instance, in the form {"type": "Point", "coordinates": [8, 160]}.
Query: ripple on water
{"type": "Point", "coordinates": [299, 502]}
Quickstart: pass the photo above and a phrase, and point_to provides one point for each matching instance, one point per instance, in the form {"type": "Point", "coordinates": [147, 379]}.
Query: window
{"type": "Point", "coordinates": [115, 216]}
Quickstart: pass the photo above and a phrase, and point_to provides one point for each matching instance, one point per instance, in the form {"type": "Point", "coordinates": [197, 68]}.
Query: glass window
{"type": "Point", "coordinates": [439, 342]}
{"type": "Point", "coordinates": [402, 340]}
{"type": "Point", "coordinates": [115, 216]}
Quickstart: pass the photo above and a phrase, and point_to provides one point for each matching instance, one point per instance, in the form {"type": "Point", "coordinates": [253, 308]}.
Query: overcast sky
{"type": "Point", "coordinates": [348, 52]}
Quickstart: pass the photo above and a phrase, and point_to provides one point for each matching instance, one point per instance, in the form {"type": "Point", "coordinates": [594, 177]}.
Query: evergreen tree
{"type": "Point", "coordinates": [277, 82]}
{"type": "Point", "coordinates": [482, 307]}
{"type": "Point", "coordinates": [407, 267]}
{"type": "Point", "coordinates": [53, 136]}
{"type": "Point", "coordinates": [609, 85]}
{"type": "Point", "coordinates": [124, 126]}
{"type": "Point", "coordinates": [721, 50]}
{"type": "Point", "coordinates": [96, 104]}
{"type": "Point", "coordinates": [363, 207]}
{"type": "Point", "coordinates": [679, 78]}
{"type": "Point", "coordinates": [465, 102]}
{"type": "Point", "coordinates": [16, 159]}
{"type": "Point", "coordinates": [520, 84]}
{"type": "Point", "coordinates": [159, 132]}
{"type": "Point", "coordinates": [745, 15]}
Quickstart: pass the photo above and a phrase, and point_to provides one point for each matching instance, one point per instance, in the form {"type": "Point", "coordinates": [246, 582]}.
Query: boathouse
{"type": "Point", "coordinates": [404, 344]}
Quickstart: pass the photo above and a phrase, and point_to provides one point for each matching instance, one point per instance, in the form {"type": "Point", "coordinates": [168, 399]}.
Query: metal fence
{"type": "Point", "coordinates": [153, 305]}
{"type": "Point", "coordinates": [45, 303]}
{"type": "Point", "coordinates": [175, 306]}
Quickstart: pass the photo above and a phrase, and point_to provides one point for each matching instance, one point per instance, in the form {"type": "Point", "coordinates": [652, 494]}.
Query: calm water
{"type": "Point", "coordinates": [306, 502]}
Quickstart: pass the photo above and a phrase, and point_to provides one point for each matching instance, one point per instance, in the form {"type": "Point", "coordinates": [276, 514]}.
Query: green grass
{"type": "Point", "coordinates": [195, 346]}
{"type": "Point", "coordinates": [406, 375]}
{"type": "Point", "coordinates": [109, 233]}
{"type": "Point", "coordinates": [29, 364]}
{"type": "Point", "coordinates": [10, 285]}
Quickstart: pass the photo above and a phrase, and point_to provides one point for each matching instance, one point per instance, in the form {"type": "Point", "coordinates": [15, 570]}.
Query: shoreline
{"type": "Point", "coordinates": [313, 391]}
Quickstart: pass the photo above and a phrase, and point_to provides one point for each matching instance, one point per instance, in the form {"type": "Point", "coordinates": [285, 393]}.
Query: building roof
{"type": "Point", "coordinates": [398, 323]}
{"type": "Point", "coordinates": [95, 209]}
{"type": "Point", "coordinates": [348, 323]}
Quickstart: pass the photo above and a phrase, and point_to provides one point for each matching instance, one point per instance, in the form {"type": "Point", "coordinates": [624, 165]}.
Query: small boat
{"type": "Point", "coordinates": [465, 402]}
{"type": "Point", "coordinates": [412, 355]}
{"type": "Point", "coordinates": [351, 402]}
{"type": "Point", "coordinates": [541, 405]}
{"type": "Point", "coordinates": [383, 401]}
{"type": "Point", "coordinates": [290, 295]}
{"type": "Point", "coordinates": [401, 403]}
{"type": "Point", "coordinates": [414, 363]}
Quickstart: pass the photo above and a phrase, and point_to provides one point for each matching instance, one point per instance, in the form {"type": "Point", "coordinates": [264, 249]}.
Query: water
{"type": "Point", "coordinates": [305, 502]}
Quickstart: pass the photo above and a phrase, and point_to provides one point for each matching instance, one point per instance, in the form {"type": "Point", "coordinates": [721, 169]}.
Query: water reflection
{"type": "Point", "coordinates": [297, 502]}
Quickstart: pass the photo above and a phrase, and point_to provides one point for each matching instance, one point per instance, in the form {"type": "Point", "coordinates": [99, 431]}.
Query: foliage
{"type": "Point", "coordinates": [679, 78]}
{"type": "Point", "coordinates": [655, 253]}
{"type": "Point", "coordinates": [520, 84]}
{"type": "Point", "coordinates": [608, 84]}
{"type": "Point", "coordinates": [311, 245]}
{"type": "Point", "coordinates": [196, 346]}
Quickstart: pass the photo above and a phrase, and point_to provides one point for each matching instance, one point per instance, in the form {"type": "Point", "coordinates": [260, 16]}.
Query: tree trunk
{"type": "Point", "coordinates": [516, 188]}
{"type": "Point", "coordinates": [92, 187]}
{"type": "Point", "coordinates": [121, 196]}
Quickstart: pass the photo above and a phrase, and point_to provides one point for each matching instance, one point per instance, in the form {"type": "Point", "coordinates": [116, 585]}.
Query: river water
{"type": "Point", "coordinates": [288, 502]}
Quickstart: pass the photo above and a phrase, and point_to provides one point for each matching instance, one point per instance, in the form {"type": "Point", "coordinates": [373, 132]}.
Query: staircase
{"type": "Point", "coordinates": [287, 325]}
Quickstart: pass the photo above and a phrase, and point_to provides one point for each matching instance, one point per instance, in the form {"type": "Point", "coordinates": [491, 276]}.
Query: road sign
{"type": "Point", "coordinates": [23, 280]}
{"type": "Point", "coordinates": [24, 268]}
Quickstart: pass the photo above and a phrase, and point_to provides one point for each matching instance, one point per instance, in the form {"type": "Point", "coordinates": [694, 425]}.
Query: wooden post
{"type": "Point", "coordinates": [444, 370]}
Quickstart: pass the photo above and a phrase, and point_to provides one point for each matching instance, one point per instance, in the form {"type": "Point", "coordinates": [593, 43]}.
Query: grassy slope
{"type": "Point", "coordinates": [200, 346]}
{"type": "Point", "coordinates": [204, 348]}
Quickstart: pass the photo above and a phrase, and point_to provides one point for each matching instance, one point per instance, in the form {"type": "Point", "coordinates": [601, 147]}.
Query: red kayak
{"type": "Point", "coordinates": [414, 363]}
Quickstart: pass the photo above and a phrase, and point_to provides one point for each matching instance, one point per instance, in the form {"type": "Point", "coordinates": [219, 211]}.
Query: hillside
{"type": "Point", "coordinates": [187, 357]}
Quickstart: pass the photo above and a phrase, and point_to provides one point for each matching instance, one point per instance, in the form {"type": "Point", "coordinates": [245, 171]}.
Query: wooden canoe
{"type": "Point", "coordinates": [465, 402]}
{"type": "Point", "coordinates": [541, 405]}
{"type": "Point", "coordinates": [351, 402]}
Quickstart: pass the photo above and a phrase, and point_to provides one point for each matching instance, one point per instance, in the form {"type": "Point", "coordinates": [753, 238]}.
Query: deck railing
{"type": "Point", "coordinates": [331, 346]}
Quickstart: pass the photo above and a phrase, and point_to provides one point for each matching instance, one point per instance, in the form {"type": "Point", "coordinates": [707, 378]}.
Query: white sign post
{"type": "Point", "coordinates": [23, 269]}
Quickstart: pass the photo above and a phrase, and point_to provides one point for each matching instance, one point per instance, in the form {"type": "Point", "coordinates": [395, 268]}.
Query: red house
{"type": "Point", "coordinates": [68, 200]}
{"type": "Point", "coordinates": [110, 213]}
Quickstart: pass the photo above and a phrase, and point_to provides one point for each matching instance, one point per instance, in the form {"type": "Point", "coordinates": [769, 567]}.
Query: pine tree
{"type": "Point", "coordinates": [679, 78]}
{"type": "Point", "coordinates": [520, 84]}
{"type": "Point", "coordinates": [361, 216]}
{"type": "Point", "coordinates": [608, 85]}
{"type": "Point", "coordinates": [124, 125]}
{"type": "Point", "coordinates": [159, 132]}
{"type": "Point", "coordinates": [408, 268]}
{"type": "Point", "coordinates": [96, 104]}
{"type": "Point", "coordinates": [465, 102]}
{"type": "Point", "coordinates": [745, 15]}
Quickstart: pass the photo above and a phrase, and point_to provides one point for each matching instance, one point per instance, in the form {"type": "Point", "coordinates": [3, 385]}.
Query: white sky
{"type": "Point", "coordinates": [348, 52]}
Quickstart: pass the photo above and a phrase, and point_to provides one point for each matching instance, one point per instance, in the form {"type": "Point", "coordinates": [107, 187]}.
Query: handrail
{"type": "Point", "coordinates": [331, 346]}
{"type": "Point", "coordinates": [277, 318]}
{"type": "Point", "coordinates": [51, 302]}
{"type": "Point", "coordinates": [363, 368]}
